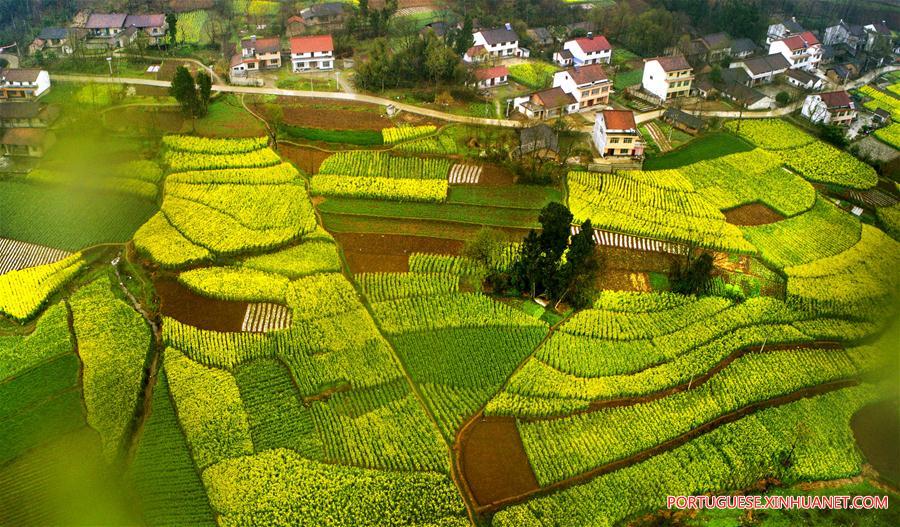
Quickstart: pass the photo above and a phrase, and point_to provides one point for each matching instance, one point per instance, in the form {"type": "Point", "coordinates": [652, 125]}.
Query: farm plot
{"type": "Point", "coordinates": [823, 231]}
{"type": "Point", "coordinates": [626, 351]}
{"type": "Point", "coordinates": [464, 174]}
{"type": "Point", "coordinates": [661, 205]}
{"type": "Point", "coordinates": [238, 199]}
{"type": "Point", "coordinates": [383, 176]}
{"type": "Point", "coordinates": [807, 156]}
{"type": "Point", "coordinates": [23, 293]}
{"type": "Point", "coordinates": [457, 347]}
{"type": "Point", "coordinates": [16, 255]}
{"type": "Point", "coordinates": [735, 455]}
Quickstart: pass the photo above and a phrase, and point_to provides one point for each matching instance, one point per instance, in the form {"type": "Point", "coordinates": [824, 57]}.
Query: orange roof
{"type": "Point", "coordinates": [588, 74]}
{"type": "Point", "coordinates": [593, 45]}
{"type": "Point", "coordinates": [619, 120]}
{"type": "Point", "coordinates": [317, 43]}
{"type": "Point", "coordinates": [491, 73]}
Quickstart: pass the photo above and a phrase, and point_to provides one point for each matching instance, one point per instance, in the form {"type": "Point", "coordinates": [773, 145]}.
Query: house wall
{"type": "Point", "coordinates": [318, 60]}
{"type": "Point", "coordinates": [807, 59]}
{"type": "Point", "coordinates": [582, 58]}
{"type": "Point", "coordinates": [503, 49]}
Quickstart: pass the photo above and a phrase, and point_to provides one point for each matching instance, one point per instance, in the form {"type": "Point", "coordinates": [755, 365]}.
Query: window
{"type": "Point", "coordinates": [627, 140]}
{"type": "Point", "coordinates": [624, 151]}
{"type": "Point", "coordinates": [613, 140]}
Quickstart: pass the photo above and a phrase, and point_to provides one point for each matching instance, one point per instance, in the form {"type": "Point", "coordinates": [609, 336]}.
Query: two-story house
{"type": "Point", "coordinates": [584, 51]}
{"type": "Point", "coordinates": [802, 51]}
{"type": "Point", "coordinates": [27, 114]}
{"type": "Point", "coordinates": [763, 70]}
{"type": "Point", "coordinates": [616, 134]}
{"type": "Point", "coordinates": [667, 77]}
{"type": "Point", "coordinates": [105, 25]}
{"type": "Point", "coordinates": [154, 26]}
{"type": "Point", "coordinates": [498, 43]}
{"type": "Point", "coordinates": [829, 108]}
{"type": "Point", "coordinates": [546, 104]}
{"type": "Point", "coordinates": [783, 29]}
{"type": "Point", "coordinates": [256, 54]}
{"type": "Point", "coordinates": [312, 53]}
{"type": "Point", "coordinates": [589, 85]}
{"type": "Point", "coordinates": [22, 84]}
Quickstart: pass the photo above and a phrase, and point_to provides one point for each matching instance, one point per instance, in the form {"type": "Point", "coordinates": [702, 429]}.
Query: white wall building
{"type": "Point", "coordinates": [829, 108]}
{"type": "Point", "coordinates": [500, 43]}
{"type": "Point", "coordinates": [667, 77]}
{"type": "Point", "coordinates": [312, 53]}
{"type": "Point", "coordinates": [584, 51]}
{"type": "Point", "coordinates": [802, 51]}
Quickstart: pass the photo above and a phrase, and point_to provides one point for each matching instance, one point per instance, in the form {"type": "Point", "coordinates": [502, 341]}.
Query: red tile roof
{"type": "Point", "coordinates": [619, 120]}
{"type": "Point", "coordinates": [675, 63]}
{"type": "Point", "coordinates": [593, 45]}
{"type": "Point", "coordinates": [491, 73]}
{"type": "Point", "coordinates": [475, 50]}
{"type": "Point", "coordinates": [836, 99]}
{"type": "Point", "coordinates": [587, 74]}
{"type": "Point", "coordinates": [320, 43]}
{"type": "Point", "coordinates": [801, 41]}
{"type": "Point", "coordinates": [24, 136]}
{"type": "Point", "coordinates": [103, 20]}
{"type": "Point", "coordinates": [554, 98]}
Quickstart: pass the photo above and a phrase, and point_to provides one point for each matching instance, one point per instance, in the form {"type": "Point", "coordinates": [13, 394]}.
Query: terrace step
{"type": "Point", "coordinates": [637, 243]}
{"type": "Point", "coordinates": [873, 197]}
{"type": "Point", "coordinates": [465, 174]}
{"type": "Point", "coordinates": [264, 317]}
{"type": "Point", "coordinates": [15, 255]}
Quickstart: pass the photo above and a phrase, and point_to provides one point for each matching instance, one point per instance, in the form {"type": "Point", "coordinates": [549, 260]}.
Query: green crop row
{"type": "Point", "coordinates": [405, 133]}
{"type": "Point", "coordinates": [448, 311]}
{"type": "Point", "coordinates": [431, 190]}
{"type": "Point", "coordinates": [390, 286]}
{"type": "Point", "coordinates": [50, 338]}
{"type": "Point", "coordinates": [236, 284]}
{"type": "Point", "coordinates": [207, 145]}
{"type": "Point", "coordinates": [382, 164]}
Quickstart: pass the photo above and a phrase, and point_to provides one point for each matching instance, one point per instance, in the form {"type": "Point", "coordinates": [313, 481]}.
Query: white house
{"type": "Point", "coordinates": [23, 84]}
{"type": "Point", "coordinates": [589, 85]}
{"type": "Point", "coordinates": [500, 43]}
{"type": "Point", "coordinates": [546, 104]}
{"type": "Point", "coordinates": [804, 80]}
{"type": "Point", "coordinates": [616, 134]}
{"type": "Point", "coordinates": [803, 51]}
{"type": "Point", "coordinates": [667, 77]}
{"type": "Point", "coordinates": [490, 77]}
{"type": "Point", "coordinates": [763, 70]}
{"type": "Point", "coordinates": [312, 53]}
{"type": "Point", "coordinates": [783, 29]}
{"type": "Point", "coordinates": [583, 51]}
{"type": "Point", "coordinates": [829, 108]}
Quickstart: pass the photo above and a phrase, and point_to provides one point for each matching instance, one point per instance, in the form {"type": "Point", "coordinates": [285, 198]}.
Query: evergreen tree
{"type": "Point", "coordinates": [204, 91]}
{"type": "Point", "coordinates": [184, 91]}
{"type": "Point", "coordinates": [556, 224]}
{"type": "Point", "coordinates": [576, 276]}
{"type": "Point", "coordinates": [172, 33]}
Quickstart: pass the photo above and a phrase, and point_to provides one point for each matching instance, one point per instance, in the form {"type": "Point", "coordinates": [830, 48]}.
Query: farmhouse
{"type": "Point", "coordinates": [783, 29]}
{"type": "Point", "coordinates": [803, 79]}
{"type": "Point", "coordinates": [802, 51]}
{"type": "Point", "coordinates": [500, 43]}
{"type": "Point", "coordinates": [829, 108]}
{"type": "Point", "coordinates": [762, 70]}
{"type": "Point", "coordinates": [743, 47]}
{"type": "Point", "coordinates": [154, 26]}
{"type": "Point", "coordinates": [490, 77]}
{"type": "Point", "coordinates": [717, 46]}
{"type": "Point", "coordinates": [667, 77]}
{"type": "Point", "coordinates": [27, 142]}
{"type": "Point", "coordinates": [51, 38]}
{"type": "Point", "coordinates": [584, 51]}
{"type": "Point", "coordinates": [312, 53]}
{"type": "Point", "coordinates": [105, 25]}
{"type": "Point", "coordinates": [589, 85]}
{"type": "Point", "coordinates": [256, 54]}
{"type": "Point", "coordinates": [546, 104]}
{"type": "Point", "coordinates": [27, 114]}
{"type": "Point", "coordinates": [616, 134]}
{"type": "Point", "coordinates": [748, 98]}
{"type": "Point", "coordinates": [23, 84]}
{"type": "Point", "coordinates": [538, 138]}
{"type": "Point", "coordinates": [328, 16]}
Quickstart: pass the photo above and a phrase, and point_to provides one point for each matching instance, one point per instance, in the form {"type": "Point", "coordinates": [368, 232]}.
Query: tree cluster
{"type": "Point", "coordinates": [417, 61]}
{"type": "Point", "coordinates": [549, 265]}
{"type": "Point", "coordinates": [193, 95]}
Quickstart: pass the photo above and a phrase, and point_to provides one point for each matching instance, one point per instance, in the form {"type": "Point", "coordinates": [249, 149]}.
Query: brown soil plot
{"type": "Point", "coordinates": [384, 253]}
{"type": "Point", "coordinates": [752, 214]}
{"type": "Point", "coordinates": [185, 306]}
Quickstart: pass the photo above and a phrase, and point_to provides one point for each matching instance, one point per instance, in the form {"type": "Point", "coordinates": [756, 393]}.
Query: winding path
{"type": "Point", "coordinates": [508, 123]}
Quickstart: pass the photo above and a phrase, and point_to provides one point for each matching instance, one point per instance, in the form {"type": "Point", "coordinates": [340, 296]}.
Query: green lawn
{"type": "Point", "coordinates": [706, 147]}
{"type": "Point", "coordinates": [446, 212]}
{"type": "Point", "coordinates": [625, 79]}
{"type": "Point", "coordinates": [228, 118]}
